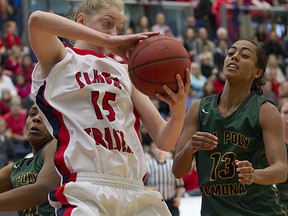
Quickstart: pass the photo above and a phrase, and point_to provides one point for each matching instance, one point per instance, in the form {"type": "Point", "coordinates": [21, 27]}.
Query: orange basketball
{"type": "Point", "coordinates": [156, 61]}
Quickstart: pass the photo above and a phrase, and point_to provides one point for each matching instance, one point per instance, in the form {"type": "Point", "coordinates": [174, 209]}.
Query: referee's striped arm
{"type": "Point", "coordinates": [160, 176]}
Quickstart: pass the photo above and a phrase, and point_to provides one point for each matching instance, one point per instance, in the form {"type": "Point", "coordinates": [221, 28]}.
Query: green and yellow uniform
{"type": "Point", "coordinates": [240, 138]}
{"type": "Point", "coordinates": [25, 172]}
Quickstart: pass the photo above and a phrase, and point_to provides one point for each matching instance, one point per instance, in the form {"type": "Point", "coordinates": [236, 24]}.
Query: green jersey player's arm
{"type": "Point", "coordinates": [191, 141]}
{"type": "Point", "coordinates": [31, 195]}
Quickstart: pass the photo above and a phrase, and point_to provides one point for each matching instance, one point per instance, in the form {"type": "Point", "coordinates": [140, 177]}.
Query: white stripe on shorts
{"type": "Point", "coordinates": [109, 180]}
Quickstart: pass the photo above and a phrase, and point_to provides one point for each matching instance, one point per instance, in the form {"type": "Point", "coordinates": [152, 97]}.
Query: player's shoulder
{"type": "Point", "coordinates": [267, 107]}
{"type": "Point", "coordinates": [194, 107]}
{"type": "Point", "coordinates": [269, 113]}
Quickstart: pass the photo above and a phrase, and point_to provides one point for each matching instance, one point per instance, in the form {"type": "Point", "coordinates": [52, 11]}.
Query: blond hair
{"type": "Point", "coordinates": [87, 7]}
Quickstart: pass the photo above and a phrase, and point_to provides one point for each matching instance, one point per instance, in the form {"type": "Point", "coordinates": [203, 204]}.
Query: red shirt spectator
{"type": "Point", "coordinates": [2, 47]}
{"type": "Point", "coordinates": [22, 85]}
{"type": "Point", "coordinates": [219, 82]}
{"type": "Point", "coordinates": [13, 61]}
{"type": "Point", "coordinates": [4, 108]}
{"type": "Point", "coordinates": [16, 118]}
{"type": "Point", "coordinates": [26, 67]}
{"type": "Point", "coordinates": [10, 37]}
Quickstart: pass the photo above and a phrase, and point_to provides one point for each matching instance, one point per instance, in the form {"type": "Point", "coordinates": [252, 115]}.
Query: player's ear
{"type": "Point", "coordinates": [258, 73]}
{"type": "Point", "coordinates": [81, 18]}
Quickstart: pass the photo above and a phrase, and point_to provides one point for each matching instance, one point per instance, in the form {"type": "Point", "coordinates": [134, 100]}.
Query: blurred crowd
{"type": "Point", "coordinates": [204, 38]}
{"type": "Point", "coordinates": [16, 66]}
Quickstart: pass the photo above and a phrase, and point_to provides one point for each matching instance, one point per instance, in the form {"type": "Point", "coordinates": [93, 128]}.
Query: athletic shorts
{"type": "Point", "coordinates": [94, 194]}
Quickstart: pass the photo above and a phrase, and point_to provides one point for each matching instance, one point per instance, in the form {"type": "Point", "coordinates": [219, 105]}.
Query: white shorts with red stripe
{"type": "Point", "coordinates": [94, 194]}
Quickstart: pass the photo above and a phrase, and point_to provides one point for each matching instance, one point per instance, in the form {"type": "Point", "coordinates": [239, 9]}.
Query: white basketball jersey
{"type": "Point", "coordinates": [87, 106]}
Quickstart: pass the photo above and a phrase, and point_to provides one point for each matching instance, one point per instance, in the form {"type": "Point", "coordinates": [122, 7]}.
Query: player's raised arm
{"type": "Point", "coordinates": [43, 31]}
{"type": "Point", "coordinates": [44, 27]}
{"type": "Point", "coordinates": [165, 134]}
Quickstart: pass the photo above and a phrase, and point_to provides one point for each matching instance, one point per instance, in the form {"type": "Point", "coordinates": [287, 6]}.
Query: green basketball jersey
{"type": "Point", "coordinates": [240, 138]}
{"type": "Point", "coordinates": [25, 172]}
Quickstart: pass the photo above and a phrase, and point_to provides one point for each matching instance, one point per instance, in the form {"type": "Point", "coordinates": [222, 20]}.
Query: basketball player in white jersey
{"type": "Point", "coordinates": [92, 109]}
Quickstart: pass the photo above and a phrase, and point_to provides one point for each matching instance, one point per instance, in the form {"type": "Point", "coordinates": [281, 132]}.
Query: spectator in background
{"type": "Point", "coordinates": [4, 102]}
{"type": "Point", "coordinates": [275, 74]}
{"type": "Point", "coordinates": [273, 46]}
{"type": "Point", "coordinates": [220, 53]}
{"type": "Point", "coordinates": [191, 22]}
{"type": "Point", "coordinates": [16, 119]}
{"type": "Point", "coordinates": [26, 67]}
{"type": "Point", "coordinates": [270, 90]}
{"type": "Point", "coordinates": [160, 24]}
{"type": "Point", "coordinates": [206, 64]}
{"type": "Point", "coordinates": [260, 34]}
{"type": "Point", "coordinates": [10, 36]}
{"type": "Point", "coordinates": [143, 24]}
{"type": "Point", "coordinates": [205, 18]}
{"type": "Point", "coordinates": [6, 97]}
{"type": "Point", "coordinates": [203, 38]}
{"type": "Point", "coordinates": [222, 34]}
{"type": "Point", "coordinates": [189, 42]}
{"type": "Point", "coordinates": [276, 25]}
{"type": "Point", "coordinates": [2, 49]}
{"type": "Point", "coordinates": [274, 70]}
{"type": "Point", "coordinates": [13, 61]}
{"type": "Point", "coordinates": [197, 79]}
{"type": "Point", "coordinates": [219, 81]}
{"type": "Point", "coordinates": [6, 11]}
{"type": "Point", "coordinates": [160, 178]}
{"type": "Point", "coordinates": [169, 33]}
{"type": "Point", "coordinates": [208, 88]}
{"type": "Point", "coordinates": [7, 149]}
{"type": "Point", "coordinates": [6, 83]}
{"type": "Point", "coordinates": [192, 95]}
{"type": "Point", "coordinates": [22, 85]}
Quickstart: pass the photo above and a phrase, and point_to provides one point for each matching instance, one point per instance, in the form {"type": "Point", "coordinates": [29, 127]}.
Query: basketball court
{"type": "Point", "coordinates": [190, 206]}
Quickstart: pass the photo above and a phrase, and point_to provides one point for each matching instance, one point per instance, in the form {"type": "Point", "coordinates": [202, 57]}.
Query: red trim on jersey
{"type": "Point", "coordinates": [137, 123]}
{"type": "Point", "coordinates": [68, 178]}
{"type": "Point", "coordinates": [86, 52]}
{"type": "Point", "coordinates": [63, 140]}
{"type": "Point", "coordinates": [60, 132]}
{"type": "Point", "coordinates": [66, 206]}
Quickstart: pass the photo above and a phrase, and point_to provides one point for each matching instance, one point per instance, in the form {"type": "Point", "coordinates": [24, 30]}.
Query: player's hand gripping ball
{"type": "Point", "coordinates": [155, 61]}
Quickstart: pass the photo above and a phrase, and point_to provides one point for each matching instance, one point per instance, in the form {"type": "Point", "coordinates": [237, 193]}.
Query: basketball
{"type": "Point", "coordinates": [155, 61]}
